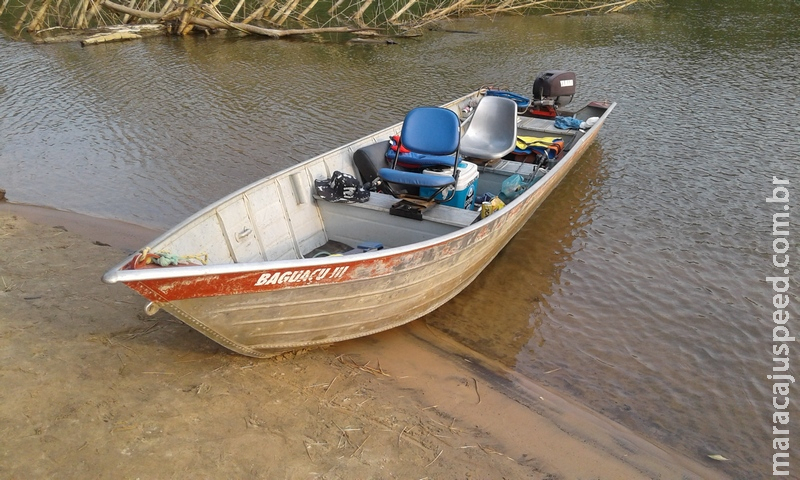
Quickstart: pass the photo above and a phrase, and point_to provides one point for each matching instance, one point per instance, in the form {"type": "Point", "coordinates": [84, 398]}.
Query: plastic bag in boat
{"type": "Point", "coordinates": [341, 187]}
{"type": "Point", "coordinates": [512, 187]}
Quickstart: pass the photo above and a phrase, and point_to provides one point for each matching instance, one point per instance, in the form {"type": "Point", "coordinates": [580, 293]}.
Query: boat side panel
{"type": "Point", "coordinates": [296, 192]}
{"type": "Point", "coordinates": [339, 160]}
{"type": "Point", "coordinates": [202, 236]}
{"type": "Point", "coordinates": [271, 224]}
{"type": "Point", "coordinates": [240, 233]}
{"type": "Point", "coordinates": [304, 220]}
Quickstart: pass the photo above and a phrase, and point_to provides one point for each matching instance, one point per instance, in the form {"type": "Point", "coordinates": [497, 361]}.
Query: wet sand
{"type": "Point", "coordinates": [94, 388]}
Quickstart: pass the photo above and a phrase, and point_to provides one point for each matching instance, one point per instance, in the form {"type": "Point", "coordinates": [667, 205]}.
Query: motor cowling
{"type": "Point", "coordinates": [554, 87]}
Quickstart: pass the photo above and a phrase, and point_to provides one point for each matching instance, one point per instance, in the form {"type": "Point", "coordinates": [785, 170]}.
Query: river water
{"type": "Point", "coordinates": [638, 288]}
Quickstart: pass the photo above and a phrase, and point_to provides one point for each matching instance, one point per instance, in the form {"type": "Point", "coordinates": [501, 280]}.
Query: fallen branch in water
{"type": "Point", "coordinates": [110, 37]}
{"type": "Point", "coordinates": [146, 30]}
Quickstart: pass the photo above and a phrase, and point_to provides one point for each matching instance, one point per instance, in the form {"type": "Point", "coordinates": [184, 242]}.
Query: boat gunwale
{"type": "Point", "coordinates": [118, 273]}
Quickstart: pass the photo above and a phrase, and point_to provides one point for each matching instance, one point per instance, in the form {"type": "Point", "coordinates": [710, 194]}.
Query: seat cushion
{"type": "Point", "coordinates": [416, 179]}
{"type": "Point", "coordinates": [418, 160]}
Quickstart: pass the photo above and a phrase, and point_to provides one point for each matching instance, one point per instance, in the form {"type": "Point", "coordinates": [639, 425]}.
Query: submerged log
{"type": "Point", "coordinates": [110, 37]}
{"type": "Point", "coordinates": [371, 41]}
{"type": "Point", "coordinates": [146, 30]}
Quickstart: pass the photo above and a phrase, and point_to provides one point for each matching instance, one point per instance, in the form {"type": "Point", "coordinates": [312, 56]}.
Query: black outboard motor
{"type": "Point", "coordinates": [552, 89]}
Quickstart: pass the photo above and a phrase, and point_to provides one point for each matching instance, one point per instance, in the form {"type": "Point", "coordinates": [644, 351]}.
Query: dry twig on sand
{"type": "Point", "coordinates": [366, 368]}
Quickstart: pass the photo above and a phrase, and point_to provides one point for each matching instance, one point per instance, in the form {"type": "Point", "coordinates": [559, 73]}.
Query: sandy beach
{"type": "Point", "coordinates": [93, 388]}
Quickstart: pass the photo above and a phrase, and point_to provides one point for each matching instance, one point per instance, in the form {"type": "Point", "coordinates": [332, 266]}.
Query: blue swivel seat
{"type": "Point", "coordinates": [434, 133]}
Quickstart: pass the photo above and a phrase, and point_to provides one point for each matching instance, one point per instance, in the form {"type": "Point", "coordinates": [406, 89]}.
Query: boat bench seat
{"type": "Point", "coordinates": [352, 223]}
{"type": "Point", "coordinates": [542, 125]}
{"type": "Point", "coordinates": [457, 217]}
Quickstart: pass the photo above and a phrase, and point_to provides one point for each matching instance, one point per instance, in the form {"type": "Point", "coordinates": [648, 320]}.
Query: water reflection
{"type": "Point", "coordinates": [501, 312]}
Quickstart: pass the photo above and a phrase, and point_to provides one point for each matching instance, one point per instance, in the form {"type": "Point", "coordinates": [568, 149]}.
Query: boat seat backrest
{"type": "Point", "coordinates": [492, 131]}
{"type": "Point", "coordinates": [370, 159]}
{"type": "Point", "coordinates": [431, 131]}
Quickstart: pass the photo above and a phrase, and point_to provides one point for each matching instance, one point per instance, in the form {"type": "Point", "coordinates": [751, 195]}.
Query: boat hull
{"type": "Point", "coordinates": [263, 309]}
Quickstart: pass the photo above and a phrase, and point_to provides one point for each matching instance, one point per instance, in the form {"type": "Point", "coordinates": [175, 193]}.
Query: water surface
{"type": "Point", "coordinates": [637, 288]}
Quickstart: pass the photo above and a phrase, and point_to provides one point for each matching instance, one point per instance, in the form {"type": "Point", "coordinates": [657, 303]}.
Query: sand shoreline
{"type": "Point", "coordinates": [97, 388]}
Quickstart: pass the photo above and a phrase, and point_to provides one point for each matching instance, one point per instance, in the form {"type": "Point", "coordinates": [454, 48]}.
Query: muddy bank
{"type": "Point", "coordinates": [93, 387]}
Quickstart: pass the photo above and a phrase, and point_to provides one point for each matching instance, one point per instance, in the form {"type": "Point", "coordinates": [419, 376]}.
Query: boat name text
{"type": "Point", "coordinates": [301, 276]}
